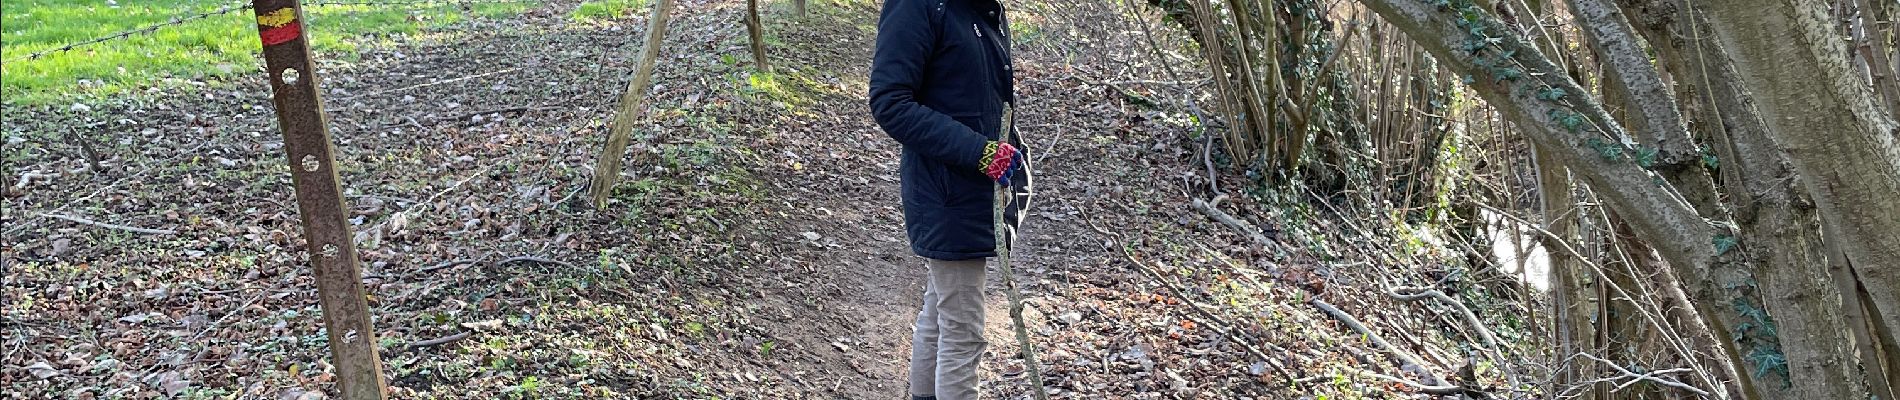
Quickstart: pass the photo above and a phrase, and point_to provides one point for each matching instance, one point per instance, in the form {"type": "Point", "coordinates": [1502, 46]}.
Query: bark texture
{"type": "Point", "coordinates": [1841, 142]}
{"type": "Point", "coordinates": [607, 168]}
{"type": "Point", "coordinates": [1657, 214]}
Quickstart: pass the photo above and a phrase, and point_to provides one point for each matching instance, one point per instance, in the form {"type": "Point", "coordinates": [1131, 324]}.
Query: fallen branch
{"type": "Point", "coordinates": [1238, 225]}
{"type": "Point", "coordinates": [1208, 318]}
{"type": "Point", "coordinates": [1650, 376]}
{"type": "Point", "coordinates": [1211, 320]}
{"type": "Point", "coordinates": [463, 116]}
{"type": "Point", "coordinates": [1441, 390]}
{"type": "Point", "coordinates": [1415, 294]}
{"type": "Point", "coordinates": [444, 264]}
{"type": "Point", "coordinates": [533, 259]}
{"type": "Point", "coordinates": [111, 226]}
{"type": "Point", "coordinates": [1402, 355]}
{"type": "Point", "coordinates": [439, 341]}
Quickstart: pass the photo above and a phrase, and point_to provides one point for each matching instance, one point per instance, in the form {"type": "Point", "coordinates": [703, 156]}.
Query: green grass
{"type": "Point", "coordinates": [608, 9]}
{"type": "Point", "coordinates": [212, 47]}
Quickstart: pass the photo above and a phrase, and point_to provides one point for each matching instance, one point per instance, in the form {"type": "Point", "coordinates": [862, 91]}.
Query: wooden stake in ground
{"type": "Point", "coordinates": [757, 31]}
{"type": "Point", "coordinates": [607, 168]}
{"type": "Point", "coordinates": [1005, 232]}
{"type": "Point", "coordinates": [293, 82]}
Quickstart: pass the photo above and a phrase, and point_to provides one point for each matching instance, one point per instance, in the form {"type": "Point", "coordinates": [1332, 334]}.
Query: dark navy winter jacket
{"type": "Point", "coordinates": [940, 79]}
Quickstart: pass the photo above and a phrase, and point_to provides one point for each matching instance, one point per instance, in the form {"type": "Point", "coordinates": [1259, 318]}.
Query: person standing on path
{"type": "Point", "coordinates": [941, 85]}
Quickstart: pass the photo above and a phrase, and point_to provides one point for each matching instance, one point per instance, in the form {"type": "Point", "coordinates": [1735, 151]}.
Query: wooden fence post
{"type": "Point", "coordinates": [293, 82]}
{"type": "Point", "coordinates": [607, 168]}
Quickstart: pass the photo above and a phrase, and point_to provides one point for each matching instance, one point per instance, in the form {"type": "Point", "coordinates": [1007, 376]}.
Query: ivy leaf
{"type": "Point", "coordinates": [1573, 122]}
{"type": "Point", "coordinates": [1724, 243]}
{"type": "Point", "coordinates": [1646, 156]}
{"type": "Point", "coordinates": [1550, 94]}
{"type": "Point", "coordinates": [1507, 74]}
{"type": "Point", "coordinates": [1767, 361]}
{"type": "Point", "coordinates": [1474, 46]}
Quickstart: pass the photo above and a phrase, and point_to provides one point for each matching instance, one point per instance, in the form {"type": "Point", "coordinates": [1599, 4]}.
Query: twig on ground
{"type": "Point", "coordinates": [1212, 321]}
{"type": "Point", "coordinates": [1238, 225]}
{"type": "Point", "coordinates": [533, 259]}
{"type": "Point", "coordinates": [463, 116]}
{"type": "Point", "coordinates": [439, 341]}
{"type": "Point", "coordinates": [1415, 294]}
{"type": "Point", "coordinates": [1650, 376]}
{"type": "Point", "coordinates": [1441, 390]}
{"type": "Point", "coordinates": [111, 226]}
{"type": "Point", "coordinates": [27, 178]}
{"type": "Point", "coordinates": [1402, 355]}
{"type": "Point", "coordinates": [445, 264]}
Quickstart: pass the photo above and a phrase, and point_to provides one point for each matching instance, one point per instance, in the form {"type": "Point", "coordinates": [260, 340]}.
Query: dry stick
{"type": "Point", "coordinates": [1493, 348]}
{"type": "Point", "coordinates": [111, 226]}
{"type": "Point", "coordinates": [1401, 354]}
{"type": "Point", "coordinates": [439, 341]}
{"type": "Point", "coordinates": [1415, 294]}
{"type": "Point", "coordinates": [1213, 321]}
{"type": "Point", "coordinates": [1238, 225]}
{"type": "Point", "coordinates": [1676, 342]}
{"type": "Point", "coordinates": [445, 264]}
{"type": "Point", "coordinates": [533, 259]}
{"type": "Point", "coordinates": [1441, 390]}
{"type": "Point", "coordinates": [1648, 376]}
{"type": "Point", "coordinates": [1004, 197]}
{"type": "Point", "coordinates": [1221, 326]}
{"type": "Point", "coordinates": [1207, 140]}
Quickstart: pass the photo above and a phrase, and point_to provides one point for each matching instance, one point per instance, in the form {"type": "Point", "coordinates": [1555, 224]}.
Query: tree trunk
{"type": "Point", "coordinates": [1789, 266]}
{"type": "Point", "coordinates": [1866, 334]}
{"type": "Point", "coordinates": [1573, 128]}
{"type": "Point", "coordinates": [1664, 139]}
{"type": "Point", "coordinates": [757, 32]}
{"type": "Point", "coordinates": [607, 168]}
{"type": "Point", "coordinates": [1570, 298]}
{"type": "Point", "coordinates": [1843, 145]}
{"type": "Point", "coordinates": [799, 5]}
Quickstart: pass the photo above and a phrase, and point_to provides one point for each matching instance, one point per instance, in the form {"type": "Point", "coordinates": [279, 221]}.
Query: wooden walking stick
{"type": "Point", "coordinates": [1008, 196]}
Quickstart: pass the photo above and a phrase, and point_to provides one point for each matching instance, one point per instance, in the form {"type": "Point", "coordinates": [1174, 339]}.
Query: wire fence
{"type": "Point", "coordinates": [243, 6]}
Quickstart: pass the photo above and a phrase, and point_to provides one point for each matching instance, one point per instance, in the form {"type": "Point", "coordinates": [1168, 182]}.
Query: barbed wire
{"type": "Point", "coordinates": [175, 21]}
{"type": "Point", "coordinates": [148, 29]}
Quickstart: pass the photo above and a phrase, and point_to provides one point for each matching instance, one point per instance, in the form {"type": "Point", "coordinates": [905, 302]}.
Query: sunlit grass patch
{"type": "Point", "coordinates": [608, 9]}
{"type": "Point", "coordinates": [217, 46]}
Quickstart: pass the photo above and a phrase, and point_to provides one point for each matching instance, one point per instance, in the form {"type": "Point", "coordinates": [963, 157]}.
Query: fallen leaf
{"type": "Point", "coordinates": [42, 370]}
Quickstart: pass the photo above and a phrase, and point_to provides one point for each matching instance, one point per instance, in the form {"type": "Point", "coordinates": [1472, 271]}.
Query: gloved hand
{"type": "Point", "coordinates": [1000, 160]}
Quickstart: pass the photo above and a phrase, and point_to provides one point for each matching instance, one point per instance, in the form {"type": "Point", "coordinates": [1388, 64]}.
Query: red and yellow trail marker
{"type": "Point", "coordinates": [281, 26]}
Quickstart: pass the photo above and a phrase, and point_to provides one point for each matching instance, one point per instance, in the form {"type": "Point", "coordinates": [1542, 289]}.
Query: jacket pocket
{"type": "Point", "coordinates": [974, 120]}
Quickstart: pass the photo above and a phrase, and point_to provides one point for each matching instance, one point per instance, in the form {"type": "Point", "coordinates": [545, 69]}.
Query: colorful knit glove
{"type": "Point", "coordinates": [999, 161]}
